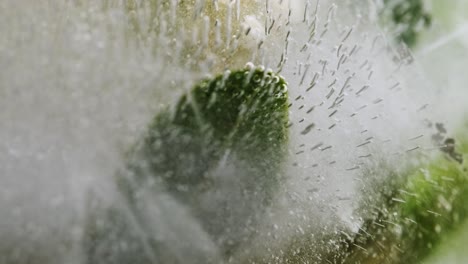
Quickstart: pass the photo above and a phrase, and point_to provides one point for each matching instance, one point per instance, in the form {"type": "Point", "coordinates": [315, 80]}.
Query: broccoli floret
{"type": "Point", "coordinates": [242, 114]}
{"type": "Point", "coordinates": [235, 120]}
{"type": "Point", "coordinates": [409, 17]}
{"type": "Point", "coordinates": [411, 213]}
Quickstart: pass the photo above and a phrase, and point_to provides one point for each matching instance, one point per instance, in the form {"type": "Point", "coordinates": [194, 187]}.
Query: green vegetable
{"type": "Point", "coordinates": [453, 249]}
{"type": "Point", "coordinates": [408, 17]}
{"type": "Point", "coordinates": [235, 120]}
{"type": "Point", "coordinates": [411, 212]}
{"type": "Point", "coordinates": [242, 114]}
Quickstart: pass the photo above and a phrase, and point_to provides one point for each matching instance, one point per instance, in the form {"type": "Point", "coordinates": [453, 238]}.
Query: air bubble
{"type": "Point", "coordinates": [249, 66]}
{"type": "Point", "coordinates": [256, 78]}
{"type": "Point", "coordinates": [284, 88]}
{"type": "Point", "coordinates": [226, 75]}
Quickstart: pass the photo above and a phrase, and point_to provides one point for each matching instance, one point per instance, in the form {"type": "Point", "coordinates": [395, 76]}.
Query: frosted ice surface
{"type": "Point", "coordinates": [81, 80]}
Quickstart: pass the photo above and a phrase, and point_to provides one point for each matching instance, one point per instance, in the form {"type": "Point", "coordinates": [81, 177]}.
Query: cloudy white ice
{"type": "Point", "coordinates": [80, 81]}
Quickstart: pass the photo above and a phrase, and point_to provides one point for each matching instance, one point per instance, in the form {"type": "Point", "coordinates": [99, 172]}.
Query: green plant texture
{"type": "Point", "coordinates": [235, 119]}
{"type": "Point", "coordinates": [242, 113]}
{"type": "Point", "coordinates": [412, 211]}
{"type": "Point", "coordinates": [408, 17]}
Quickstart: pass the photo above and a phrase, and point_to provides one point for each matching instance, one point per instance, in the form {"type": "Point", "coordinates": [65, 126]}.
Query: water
{"type": "Point", "coordinates": [81, 80]}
